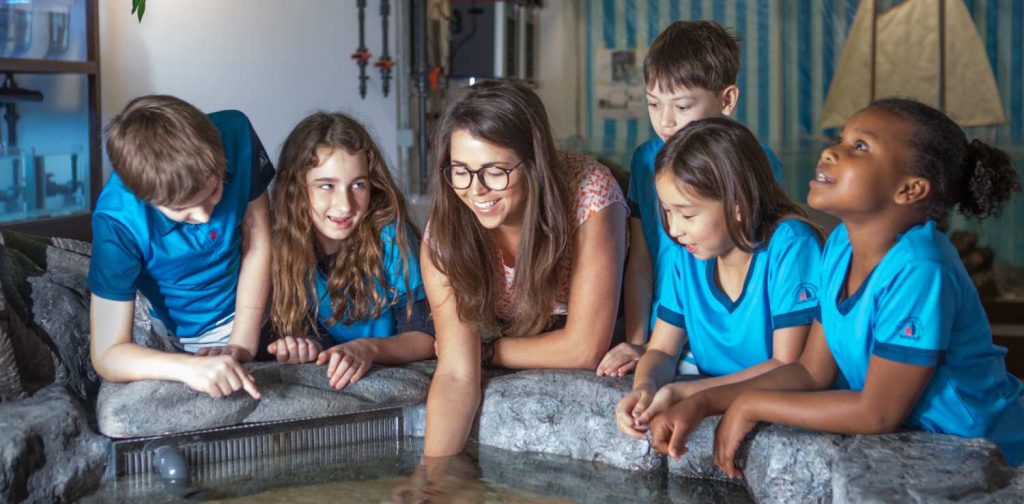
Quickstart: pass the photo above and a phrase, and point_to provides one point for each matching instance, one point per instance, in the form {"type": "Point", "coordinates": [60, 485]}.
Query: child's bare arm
{"type": "Point", "coordinates": [638, 285]}
{"type": "Point", "coordinates": [254, 277]}
{"type": "Point", "coordinates": [116, 358]}
{"type": "Point", "coordinates": [788, 343]}
{"type": "Point", "coordinates": [639, 280]}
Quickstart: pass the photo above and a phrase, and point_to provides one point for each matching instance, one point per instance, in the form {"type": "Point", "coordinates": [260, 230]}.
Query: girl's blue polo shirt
{"type": "Point", "coordinates": [780, 291]}
{"type": "Point", "coordinates": [397, 292]}
{"type": "Point", "coordinates": [188, 272]}
{"type": "Point", "coordinates": [919, 307]}
{"type": "Point", "coordinates": [643, 204]}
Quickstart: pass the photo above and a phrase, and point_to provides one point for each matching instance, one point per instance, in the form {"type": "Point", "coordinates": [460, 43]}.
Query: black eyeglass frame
{"type": "Point", "coordinates": [447, 173]}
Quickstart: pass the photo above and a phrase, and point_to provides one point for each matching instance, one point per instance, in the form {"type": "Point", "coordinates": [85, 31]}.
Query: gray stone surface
{"type": "Point", "coordinates": [782, 464]}
{"type": "Point", "coordinates": [46, 311]}
{"type": "Point", "coordinates": [562, 412]}
{"type": "Point", "coordinates": [150, 407]}
{"type": "Point", "coordinates": [48, 453]}
{"type": "Point", "coordinates": [919, 467]}
{"type": "Point", "coordinates": [785, 464]}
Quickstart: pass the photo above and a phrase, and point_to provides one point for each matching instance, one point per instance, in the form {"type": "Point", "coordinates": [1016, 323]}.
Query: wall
{"type": "Point", "coordinates": [559, 65]}
{"type": "Point", "coordinates": [276, 61]}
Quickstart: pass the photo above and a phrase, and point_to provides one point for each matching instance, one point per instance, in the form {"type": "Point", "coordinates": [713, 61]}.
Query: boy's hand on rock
{"type": "Point", "coordinates": [348, 362]}
{"type": "Point", "coordinates": [292, 350]}
{"type": "Point", "coordinates": [219, 376]}
{"type": "Point", "coordinates": [234, 351]}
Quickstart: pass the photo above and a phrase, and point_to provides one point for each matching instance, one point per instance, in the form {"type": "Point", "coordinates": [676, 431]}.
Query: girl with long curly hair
{"type": "Point", "coordinates": [345, 265]}
{"type": "Point", "coordinates": [523, 254]}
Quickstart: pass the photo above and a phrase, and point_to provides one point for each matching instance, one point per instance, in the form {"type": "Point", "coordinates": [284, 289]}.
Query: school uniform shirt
{"type": "Point", "coordinates": [188, 272]}
{"type": "Point", "coordinates": [919, 307]}
{"type": "Point", "coordinates": [780, 291]}
{"type": "Point", "coordinates": [397, 292]}
{"type": "Point", "coordinates": [642, 197]}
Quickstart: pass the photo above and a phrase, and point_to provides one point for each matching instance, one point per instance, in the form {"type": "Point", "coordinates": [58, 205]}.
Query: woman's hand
{"type": "Point", "coordinates": [348, 362]}
{"type": "Point", "coordinates": [620, 360]}
{"type": "Point", "coordinates": [292, 350]}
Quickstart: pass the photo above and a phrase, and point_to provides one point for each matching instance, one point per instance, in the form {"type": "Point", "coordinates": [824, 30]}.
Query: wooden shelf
{"type": "Point", "coordinates": [77, 226]}
{"type": "Point", "coordinates": [17, 65]}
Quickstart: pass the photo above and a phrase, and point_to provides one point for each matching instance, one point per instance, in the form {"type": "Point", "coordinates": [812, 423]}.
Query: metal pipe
{"type": "Point", "coordinates": [420, 43]}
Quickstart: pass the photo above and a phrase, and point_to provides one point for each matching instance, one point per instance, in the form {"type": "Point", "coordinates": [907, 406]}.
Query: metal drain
{"type": "Point", "coordinates": [249, 444]}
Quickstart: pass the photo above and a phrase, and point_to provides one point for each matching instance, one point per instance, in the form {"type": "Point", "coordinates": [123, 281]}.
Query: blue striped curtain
{"type": "Point", "coordinates": [789, 49]}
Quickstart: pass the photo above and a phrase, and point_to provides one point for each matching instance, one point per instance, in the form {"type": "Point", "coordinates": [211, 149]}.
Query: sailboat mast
{"type": "Point", "coordinates": [942, 56]}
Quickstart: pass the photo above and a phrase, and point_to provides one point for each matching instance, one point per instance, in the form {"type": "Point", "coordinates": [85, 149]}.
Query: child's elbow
{"type": "Point", "coordinates": [880, 423]}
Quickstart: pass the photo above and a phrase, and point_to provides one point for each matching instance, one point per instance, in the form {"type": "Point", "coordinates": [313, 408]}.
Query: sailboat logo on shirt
{"type": "Point", "coordinates": [910, 328]}
{"type": "Point", "coordinates": [805, 293]}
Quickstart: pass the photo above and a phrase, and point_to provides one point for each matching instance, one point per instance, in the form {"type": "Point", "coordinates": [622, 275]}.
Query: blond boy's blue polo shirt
{"type": "Point", "coordinates": [188, 272]}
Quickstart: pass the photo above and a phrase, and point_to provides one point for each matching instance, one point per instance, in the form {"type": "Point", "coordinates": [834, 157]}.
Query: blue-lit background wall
{"type": "Point", "coordinates": [789, 50]}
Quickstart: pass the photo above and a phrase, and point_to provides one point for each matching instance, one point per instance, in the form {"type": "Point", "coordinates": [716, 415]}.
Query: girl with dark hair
{"type": "Point", "coordinates": [743, 293]}
{"type": "Point", "coordinates": [901, 325]}
{"type": "Point", "coordinates": [523, 241]}
{"type": "Point", "coordinates": [345, 260]}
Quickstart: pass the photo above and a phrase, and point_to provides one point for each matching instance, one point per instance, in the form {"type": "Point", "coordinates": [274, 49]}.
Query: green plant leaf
{"type": "Point", "coordinates": [139, 7]}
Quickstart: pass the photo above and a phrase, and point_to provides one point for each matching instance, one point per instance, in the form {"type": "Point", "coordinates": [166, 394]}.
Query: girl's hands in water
{"type": "Point", "coordinates": [736, 423]}
{"type": "Point", "coordinates": [348, 362]}
{"type": "Point", "coordinates": [292, 350]}
{"type": "Point", "coordinates": [621, 360]}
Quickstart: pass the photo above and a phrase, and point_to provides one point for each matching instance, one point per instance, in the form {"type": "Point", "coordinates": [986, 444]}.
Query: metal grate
{"type": "Point", "coordinates": [252, 444]}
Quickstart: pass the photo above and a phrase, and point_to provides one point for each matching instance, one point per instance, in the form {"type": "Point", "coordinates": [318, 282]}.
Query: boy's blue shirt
{"type": "Point", "coordinates": [780, 290]}
{"type": "Point", "coordinates": [919, 307]}
{"type": "Point", "coordinates": [397, 292]}
{"type": "Point", "coordinates": [188, 272]}
{"type": "Point", "coordinates": [643, 201]}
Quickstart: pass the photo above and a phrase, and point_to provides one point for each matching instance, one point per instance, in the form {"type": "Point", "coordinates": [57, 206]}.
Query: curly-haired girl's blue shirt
{"type": "Point", "coordinates": [399, 289]}
{"type": "Point", "coordinates": [919, 307]}
{"type": "Point", "coordinates": [780, 291]}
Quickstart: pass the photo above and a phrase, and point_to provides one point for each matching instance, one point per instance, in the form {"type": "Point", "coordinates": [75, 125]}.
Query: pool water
{"type": "Point", "coordinates": [391, 472]}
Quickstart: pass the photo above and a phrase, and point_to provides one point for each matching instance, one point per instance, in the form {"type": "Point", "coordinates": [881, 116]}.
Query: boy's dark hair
{"type": "Point", "coordinates": [165, 150]}
{"type": "Point", "coordinates": [720, 159]}
{"type": "Point", "coordinates": [693, 54]}
{"type": "Point", "coordinates": [974, 176]}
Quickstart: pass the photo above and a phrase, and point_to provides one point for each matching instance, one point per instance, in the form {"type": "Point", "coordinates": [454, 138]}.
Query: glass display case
{"type": "Point", "coordinates": [50, 168]}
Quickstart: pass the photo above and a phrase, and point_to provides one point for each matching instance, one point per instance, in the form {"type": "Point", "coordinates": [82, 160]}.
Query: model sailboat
{"type": "Point", "coordinates": [928, 50]}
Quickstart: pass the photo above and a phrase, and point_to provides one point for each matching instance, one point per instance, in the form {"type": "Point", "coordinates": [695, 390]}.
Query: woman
{"type": "Point", "coordinates": [522, 258]}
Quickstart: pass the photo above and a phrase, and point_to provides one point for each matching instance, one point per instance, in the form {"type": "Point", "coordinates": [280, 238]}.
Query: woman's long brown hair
{"type": "Point", "coordinates": [720, 159]}
{"type": "Point", "coordinates": [356, 271]}
{"type": "Point", "coordinates": [512, 116]}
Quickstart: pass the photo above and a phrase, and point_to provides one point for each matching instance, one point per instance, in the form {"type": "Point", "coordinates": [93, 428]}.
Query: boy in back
{"type": "Point", "coordinates": [184, 220]}
{"type": "Point", "coordinates": [690, 72]}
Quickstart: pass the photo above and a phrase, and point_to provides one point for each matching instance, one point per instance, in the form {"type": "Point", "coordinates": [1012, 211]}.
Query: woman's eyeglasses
{"type": "Point", "coordinates": [495, 178]}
